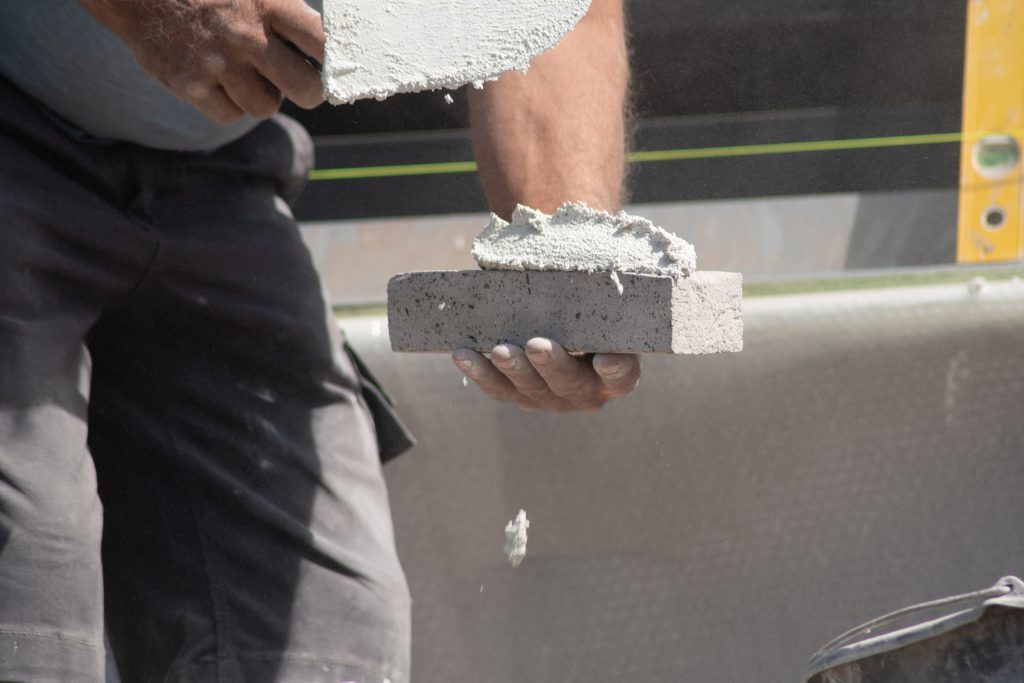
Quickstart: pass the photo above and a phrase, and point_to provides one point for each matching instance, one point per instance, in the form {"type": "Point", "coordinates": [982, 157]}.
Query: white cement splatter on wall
{"type": "Point", "coordinates": [377, 49]}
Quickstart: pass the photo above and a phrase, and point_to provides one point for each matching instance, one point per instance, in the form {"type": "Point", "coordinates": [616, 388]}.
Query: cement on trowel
{"type": "Point", "coordinates": [579, 238]}
{"type": "Point", "coordinates": [382, 47]}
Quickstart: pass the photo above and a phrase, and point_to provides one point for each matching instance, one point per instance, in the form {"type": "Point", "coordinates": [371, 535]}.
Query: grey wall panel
{"type": "Point", "coordinates": [865, 451]}
{"type": "Point", "coordinates": [770, 237]}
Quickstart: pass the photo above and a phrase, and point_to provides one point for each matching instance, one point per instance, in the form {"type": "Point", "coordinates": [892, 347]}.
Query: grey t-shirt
{"type": "Point", "coordinates": [60, 54]}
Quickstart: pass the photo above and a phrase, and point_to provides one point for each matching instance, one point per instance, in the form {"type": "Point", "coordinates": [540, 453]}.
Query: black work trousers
{"type": "Point", "coordinates": [185, 451]}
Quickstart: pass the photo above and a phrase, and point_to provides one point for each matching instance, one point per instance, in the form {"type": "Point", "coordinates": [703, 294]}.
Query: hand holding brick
{"type": "Point", "coordinates": [544, 377]}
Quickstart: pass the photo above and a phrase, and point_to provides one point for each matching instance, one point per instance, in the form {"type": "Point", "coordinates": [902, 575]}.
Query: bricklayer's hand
{"type": "Point", "coordinates": [545, 377]}
{"type": "Point", "coordinates": [225, 57]}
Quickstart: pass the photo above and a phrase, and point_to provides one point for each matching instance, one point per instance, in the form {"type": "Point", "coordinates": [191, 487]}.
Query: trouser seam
{"type": "Point", "coordinates": [80, 642]}
{"type": "Point", "coordinates": [271, 657]}
{"type": "Point", "coordinates": [286, 657]}
{"type": "Point", "coordinates": [149, 274]}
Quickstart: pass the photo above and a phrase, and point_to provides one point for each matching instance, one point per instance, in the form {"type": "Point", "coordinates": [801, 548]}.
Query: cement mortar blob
{"type": "Point", "coordinates": [579, 238]}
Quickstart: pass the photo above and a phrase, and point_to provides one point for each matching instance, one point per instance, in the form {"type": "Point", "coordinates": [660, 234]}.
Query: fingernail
{"type": "Point", "coordinates": [609, 368]}
{"type": "Point", "coordinates": [502, 355]}
{"type": "Point", "coordinates": [539, 350]}
{"type": "Point", "coordinates": [465, 365]}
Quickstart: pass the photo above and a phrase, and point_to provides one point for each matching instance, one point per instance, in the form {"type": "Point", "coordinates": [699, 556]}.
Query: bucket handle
{"type": "Point", "coordinates": [1004, 586]}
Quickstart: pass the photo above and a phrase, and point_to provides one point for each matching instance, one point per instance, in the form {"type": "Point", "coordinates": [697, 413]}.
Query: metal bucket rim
{"type": "Point", "coordinates": [832, 656]}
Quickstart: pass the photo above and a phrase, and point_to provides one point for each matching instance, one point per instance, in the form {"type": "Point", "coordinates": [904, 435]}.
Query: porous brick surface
{"type": "Point", "coordinates": [478, 309]}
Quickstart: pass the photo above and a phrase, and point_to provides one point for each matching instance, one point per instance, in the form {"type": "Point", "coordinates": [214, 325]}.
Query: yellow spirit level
{"type": "Point", "coordinates": [990, 228]}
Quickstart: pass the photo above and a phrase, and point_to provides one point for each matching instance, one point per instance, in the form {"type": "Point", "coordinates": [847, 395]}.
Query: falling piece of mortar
{"type": "Point", "coordinates": [377, 49]}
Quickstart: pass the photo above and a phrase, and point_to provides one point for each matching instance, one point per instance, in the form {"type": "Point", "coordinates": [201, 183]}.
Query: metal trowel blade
{"type": "Point", "coordinates": [376, 48]}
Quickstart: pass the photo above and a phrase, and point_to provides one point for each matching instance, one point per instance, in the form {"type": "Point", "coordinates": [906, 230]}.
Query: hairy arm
{"type": "Point", "coordinates": [225, 57]}
{"type": "Point", "coordinates": [553, 135]}
{"type": "Point", "coordinates": [557, 133]}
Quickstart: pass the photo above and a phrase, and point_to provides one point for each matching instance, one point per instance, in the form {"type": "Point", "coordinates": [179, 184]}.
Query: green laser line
{"type": "Point", "coordinates": [361, 172]}
{"type": "Point", "coordinates": [794, 147]}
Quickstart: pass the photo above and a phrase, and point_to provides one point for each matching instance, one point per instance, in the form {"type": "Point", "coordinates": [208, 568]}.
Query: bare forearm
{"type": "Point", "coordinates": [558, 133]}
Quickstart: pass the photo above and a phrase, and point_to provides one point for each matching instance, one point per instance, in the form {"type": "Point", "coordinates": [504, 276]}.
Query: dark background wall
{"type": "Point", "coordinates": [698, 57]}
{"type": "Point", "coordinates": [724, 73]}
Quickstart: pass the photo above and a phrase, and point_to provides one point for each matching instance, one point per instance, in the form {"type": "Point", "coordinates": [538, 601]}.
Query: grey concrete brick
{"type": "Point", "coordinates": [478, 309]}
